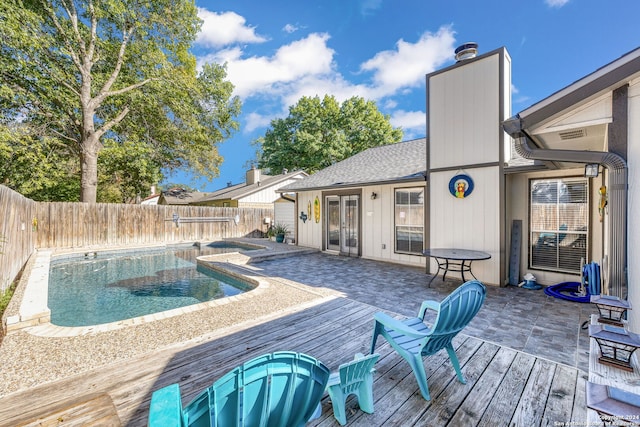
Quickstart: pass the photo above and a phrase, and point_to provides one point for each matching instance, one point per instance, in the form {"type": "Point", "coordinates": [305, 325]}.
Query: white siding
{"type": "Point", "coordinates": [269, 194]}
{"type": "Point", "coordinates": [284, 213]}
{"type": "Point", "coordinates": [633, 245]}
{"type": "Point", "coordinates": [309, 232]}
{"type": "Point", "coordinates": [377, 218]}
{"type": "Point", "coordinates": [466, 137]}
{"type": "Point", "coordinates": [469, 223]}
{"type": "Point", "coordinates": [378, 228]}
{"type": "Point", "coordinates": [463, 110]}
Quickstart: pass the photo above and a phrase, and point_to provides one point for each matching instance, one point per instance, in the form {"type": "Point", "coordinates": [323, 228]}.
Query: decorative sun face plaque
{"type": "Point", "coordinates": [461, 186]}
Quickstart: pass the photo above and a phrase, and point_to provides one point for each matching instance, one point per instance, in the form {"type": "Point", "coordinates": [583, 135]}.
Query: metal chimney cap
{"type": "Point", "coordinates": [466, 51]}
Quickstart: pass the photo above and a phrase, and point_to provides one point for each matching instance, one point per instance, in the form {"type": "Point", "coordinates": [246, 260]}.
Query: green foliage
{"type": "Point", "coordinates": [5, 298]}
{"type": "Point", "coordinates": [318, 133]}
{"type": "Point", "coordinates": [37, 167]}
{"type": "Point", "coordinates": [92, 75]}
{"type": "Point", "coordinates": [280, 229]}
{"type": "Point", "coordinates": [126, 170]}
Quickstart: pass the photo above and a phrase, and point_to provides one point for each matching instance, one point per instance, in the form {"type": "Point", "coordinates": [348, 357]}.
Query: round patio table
{"type": "Point", "coordinates": [453, 259]}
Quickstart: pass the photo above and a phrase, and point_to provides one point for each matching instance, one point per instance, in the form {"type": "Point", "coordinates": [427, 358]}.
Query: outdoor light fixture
{"type": "Point", "coordinates": [374, 196]}
{"type": "Point", "coordinates": [616, 345]}
{"type": "Point", "coordinates": [611, 309]}
{"type": "Point", "coordinates": [591, 170]}
{"type": "Point", "coordinates": [613, 405]}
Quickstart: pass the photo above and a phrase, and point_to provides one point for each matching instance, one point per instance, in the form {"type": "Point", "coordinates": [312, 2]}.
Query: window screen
{"type": "Point", "coordinates": [559, 224]}
{"type": "Point", "coordinates": [409, 220]}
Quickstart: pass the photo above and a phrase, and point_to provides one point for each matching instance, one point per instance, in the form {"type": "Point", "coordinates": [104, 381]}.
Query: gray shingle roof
{"type": "Point", "coordinates": [395, 162]}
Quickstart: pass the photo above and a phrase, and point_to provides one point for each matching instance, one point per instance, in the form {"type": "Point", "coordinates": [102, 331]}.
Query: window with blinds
{"type": "Point", "coordinates": [559, 220]}
{"type": "Point", "coordinates": [409, 220]}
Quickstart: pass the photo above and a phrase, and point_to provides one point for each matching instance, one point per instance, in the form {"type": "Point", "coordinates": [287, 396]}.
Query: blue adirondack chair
{"type": "Point", "coordinates": [278, 389]}
{"type": "Point", "coordinates": [355, 377]}
{"type": "Point", "coordinates": [413, 339]}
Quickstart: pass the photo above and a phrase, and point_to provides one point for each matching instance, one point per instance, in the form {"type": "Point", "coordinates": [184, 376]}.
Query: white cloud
{"type": "Point", "coordinates": [556, 3]}
{"type": "Point", "coordinates": [256, 121]}
{"type": "Point", "coordinates": [368, 6]}
{"type": "Point", "coordinates": [290, 28]}
{"type": "Point", "coordinates": [221, 29]}
{"type": "Point", "coordinates": [306, 67]}
{"type": "Point", "coordinates": [410, 120]}
{"type": "Point", "coordinates": [261, 74]}
{"type": "Point", "coordinates": [407, 65]}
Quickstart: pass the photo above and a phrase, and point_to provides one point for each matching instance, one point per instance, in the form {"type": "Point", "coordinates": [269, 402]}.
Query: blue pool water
{"type": "Point", "coordinates": [107, 287]}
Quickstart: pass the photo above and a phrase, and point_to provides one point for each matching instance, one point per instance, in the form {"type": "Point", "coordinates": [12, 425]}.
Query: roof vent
{"type": "Point", "coordinates": [229, 183]}
{"type": "Point", "coordinates": [573, 134]}
{"type": "Point", "coordinates": [466, 51]}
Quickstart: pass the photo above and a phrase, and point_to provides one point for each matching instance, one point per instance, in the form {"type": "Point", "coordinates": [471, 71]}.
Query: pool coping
{"type": "Point", "coordinates": [34, 315]}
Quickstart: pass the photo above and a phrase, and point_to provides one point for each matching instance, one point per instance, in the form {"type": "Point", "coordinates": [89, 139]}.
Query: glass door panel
{"type": "Point", "coordinates": [350, 224]}
{"type": "Point", "coordinates": [333, 223]}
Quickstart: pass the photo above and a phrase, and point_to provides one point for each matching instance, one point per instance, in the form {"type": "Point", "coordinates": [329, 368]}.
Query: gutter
{"type": "Point", "coordinates": [617, 200]}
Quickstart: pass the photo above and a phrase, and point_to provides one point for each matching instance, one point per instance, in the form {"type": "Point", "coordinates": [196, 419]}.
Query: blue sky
{"type": "Point", "coordinates": [277, 51]}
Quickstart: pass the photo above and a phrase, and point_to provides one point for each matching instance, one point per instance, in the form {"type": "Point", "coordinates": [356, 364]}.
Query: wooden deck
{"type": "Point", "coordinates": [504, 386]}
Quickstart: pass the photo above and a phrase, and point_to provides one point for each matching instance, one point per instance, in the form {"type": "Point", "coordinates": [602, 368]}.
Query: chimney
{"type": "Point", "coordinates": [253, 176]}
{"type": "Point", "coordinates": [285, 171]}
{"type": "Point", "coordinates": [466, 51]}
{"type": "Point", "coordinates": [153, 190]}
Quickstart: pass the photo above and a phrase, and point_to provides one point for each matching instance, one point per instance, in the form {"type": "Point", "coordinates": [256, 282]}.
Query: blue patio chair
{"type": "Point", "coordinates": [355, 377]}
{"type": "Point", "coordinates": [413, 339]}
{"type": "Point", "coordinates": [277, 389]}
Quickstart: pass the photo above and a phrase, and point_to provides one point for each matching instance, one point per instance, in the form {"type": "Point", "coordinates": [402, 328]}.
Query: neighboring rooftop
{"type": "Point", "coordinates": [255, 182]}
{"type": "Point", "coordinates": [180, 196]}
{"type": "Point", "coordinates": [403, 161]}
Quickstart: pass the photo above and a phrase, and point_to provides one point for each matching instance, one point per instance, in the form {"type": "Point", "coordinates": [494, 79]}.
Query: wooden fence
{"type": "Point", "coordinates": [28, 225]}
{"type": "Point", "coordinates": [72, 225]}
{"type": "Point", "coordinates": [17, 238]}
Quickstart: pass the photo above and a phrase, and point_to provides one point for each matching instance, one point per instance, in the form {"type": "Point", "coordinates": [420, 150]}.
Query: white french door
{"type": "Point", "coordinates": [343, 223]}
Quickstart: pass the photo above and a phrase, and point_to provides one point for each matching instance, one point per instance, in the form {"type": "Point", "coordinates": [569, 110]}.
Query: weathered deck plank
{"type": "Point", "coordinates": [504, 386]}
{"type": "Point", "coordinates": [477, 401]}
{"type": "Point", "coordinates": [534, 397]}
{"type": "Point", "coordinates": [560, 400]}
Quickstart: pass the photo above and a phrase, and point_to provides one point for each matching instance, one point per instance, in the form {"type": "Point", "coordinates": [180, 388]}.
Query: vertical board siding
{"type": "Point", "coordinates": [16, 235]}
{"type": "Point", "coordinates": [70, 225]}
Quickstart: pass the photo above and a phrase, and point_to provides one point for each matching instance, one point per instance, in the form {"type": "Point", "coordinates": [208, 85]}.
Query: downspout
{"type": "Point", "coordinates": [617, 190]}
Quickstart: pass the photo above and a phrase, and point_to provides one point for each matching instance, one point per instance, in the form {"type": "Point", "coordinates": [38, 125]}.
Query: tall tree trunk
{"type": "Point", "coordinates": [89, 170]}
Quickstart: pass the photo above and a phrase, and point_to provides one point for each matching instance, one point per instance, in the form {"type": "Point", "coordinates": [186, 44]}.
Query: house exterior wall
{"type": "Point", "coordinates": [463, 115]}
{"type": "Point", "coordinates": [267, 195]}
{"type": "Point", "coordinates": [469, 223]}
{"type": "Point", "coordinates": [518, 209]}
{"type": "Point", "coordinates": [377, 236]}
{"type": "Point", "coordinates": [633, 246]}
{"type": "Point", "coordinates": [284, 213]}
{"type": "Point", "coordinates": [466, 105]}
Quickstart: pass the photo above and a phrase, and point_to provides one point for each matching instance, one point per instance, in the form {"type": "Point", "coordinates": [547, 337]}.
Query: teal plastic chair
{"type": "Point", "coordinates": [277, 389]}
{"type": "Point", "coordinates": [355, 377]}
{"type": "Point", "coordinates": [413, 339]}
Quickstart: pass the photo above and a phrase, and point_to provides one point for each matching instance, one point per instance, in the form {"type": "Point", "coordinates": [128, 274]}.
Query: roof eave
{"type": "Point", "coordinates": [600, 80]}
{"type": "Point", "coordinates": [357, 184]}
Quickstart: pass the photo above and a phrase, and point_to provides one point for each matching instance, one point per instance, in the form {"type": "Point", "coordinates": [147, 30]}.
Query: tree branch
{"type": "Point", "coordinates": [111, 123]}
{"type": "Point", "coordinates": [56, 23]}
{"type": "Point", "coordinates": [61, 135]}
{"type": "Point", "coordinates": [72, 13]}
{"type": "Point", "coordinates": [94, 33]}
{"type": "Point", "coordinates": [104, 92]}
{"type": "Point", "coordinates": [128, 88]}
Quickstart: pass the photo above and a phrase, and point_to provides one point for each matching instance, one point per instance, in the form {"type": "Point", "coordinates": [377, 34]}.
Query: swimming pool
{"type": "Point", "coordinates": [103, 287]}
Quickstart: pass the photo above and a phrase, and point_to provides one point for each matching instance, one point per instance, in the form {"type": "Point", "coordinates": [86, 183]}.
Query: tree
{"type": "Point", "coordinates": [37, 167]}
{"type": "Point", "coordinates": [83, 71]}
{"type": "Point", "coordinates": [319, 132]}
